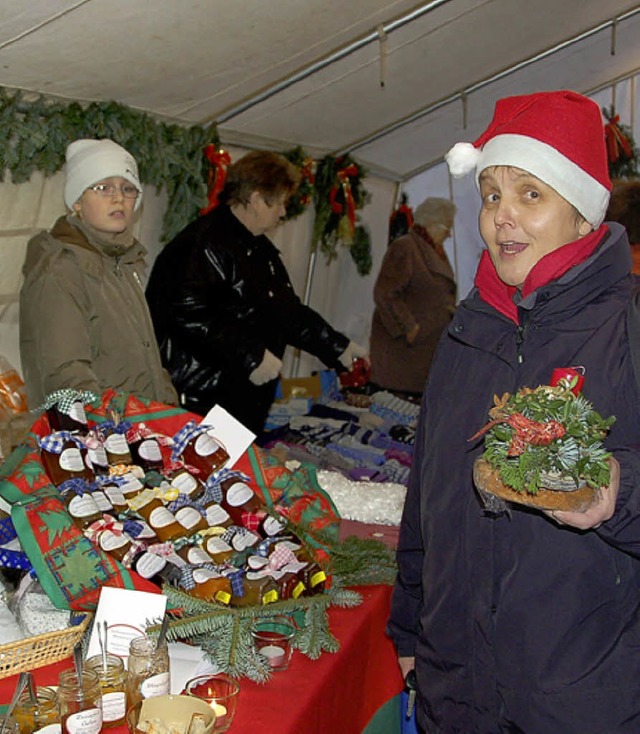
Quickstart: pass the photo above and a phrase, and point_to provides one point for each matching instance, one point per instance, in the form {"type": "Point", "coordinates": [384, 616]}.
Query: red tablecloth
{"type": "Point", "coordinates": [336, 694]}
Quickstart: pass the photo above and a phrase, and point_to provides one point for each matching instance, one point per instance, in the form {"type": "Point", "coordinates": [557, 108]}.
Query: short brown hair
{"type": "Point", "coordinates": [261, 170]}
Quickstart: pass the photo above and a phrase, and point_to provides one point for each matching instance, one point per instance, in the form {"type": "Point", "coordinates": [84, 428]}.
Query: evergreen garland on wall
{"type": "Point", "coordinates": [34, 136]}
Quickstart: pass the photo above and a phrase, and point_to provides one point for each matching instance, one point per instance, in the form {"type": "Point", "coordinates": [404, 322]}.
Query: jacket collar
{"type": "Point", "coordinates": [70, 230]}
{"type": "Point", "coordinates": [548, 269]}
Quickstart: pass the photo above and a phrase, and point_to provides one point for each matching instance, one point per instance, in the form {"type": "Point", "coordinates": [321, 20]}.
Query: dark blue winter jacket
{"type": "Point", "coordinates": [519, 624]}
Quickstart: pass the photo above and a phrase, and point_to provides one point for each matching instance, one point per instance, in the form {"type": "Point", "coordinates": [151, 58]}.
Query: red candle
{"type": "Point", "coordinates": [575, 376]}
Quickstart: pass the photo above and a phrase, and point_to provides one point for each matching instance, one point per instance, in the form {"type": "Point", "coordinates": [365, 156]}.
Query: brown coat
{"type": "Point", "coordinates": [415, 286]}
{"type": "Point", "coordinates": [84, 320]}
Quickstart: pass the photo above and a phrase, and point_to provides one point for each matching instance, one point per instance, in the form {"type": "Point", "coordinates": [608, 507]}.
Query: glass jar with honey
{"type": "Point", "coordinates": [112, 675]}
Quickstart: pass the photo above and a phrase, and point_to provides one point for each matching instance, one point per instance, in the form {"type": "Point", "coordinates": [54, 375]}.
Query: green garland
{"type": "Point", "coordinates": [34, 136]}
{"type": "Point", "coordinates": [304, 195]}
{"type": "Point", "coordinates": [331, 226]}
{"type": "Point", "coordinates": [622, 152]}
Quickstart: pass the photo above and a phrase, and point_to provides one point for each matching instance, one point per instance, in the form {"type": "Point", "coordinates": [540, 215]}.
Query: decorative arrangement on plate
{"type": "Point", "coordinates": [543, 448]}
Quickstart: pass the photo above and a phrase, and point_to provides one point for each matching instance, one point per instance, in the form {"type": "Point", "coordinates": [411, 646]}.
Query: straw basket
{"type": "Point", "coordinates": [35, 652]}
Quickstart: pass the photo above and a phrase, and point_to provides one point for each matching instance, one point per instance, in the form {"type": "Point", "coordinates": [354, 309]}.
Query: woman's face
{"type": "Point", "coordinates": [109, 215]}
{"type": "Point", "coordinates": [267, 212]}
{"type": "Point", "coordinates": [522, 220]}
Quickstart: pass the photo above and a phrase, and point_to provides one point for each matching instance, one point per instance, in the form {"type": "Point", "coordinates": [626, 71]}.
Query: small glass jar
{"type": "Point", "coordinates": [113, 684]}
{"type": "Point", "coordinates": [34, 716]}
{"type": "Point", "coordinates": [148, 673]}
{"type": "Point", "coordinates": [80, 705]}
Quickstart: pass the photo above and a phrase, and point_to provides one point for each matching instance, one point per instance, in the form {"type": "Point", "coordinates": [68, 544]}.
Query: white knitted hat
{"type": "Point", "coordinates": [557, 136]}
{"type": "Point", "coordinates": [90, 161]}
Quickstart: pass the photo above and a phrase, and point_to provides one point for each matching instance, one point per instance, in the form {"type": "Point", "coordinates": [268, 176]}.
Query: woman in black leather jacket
{"type": "Point", "coordinates": [222, 303]}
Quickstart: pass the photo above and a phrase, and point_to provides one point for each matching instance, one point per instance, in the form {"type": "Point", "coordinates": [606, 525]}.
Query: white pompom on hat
{"type": "Point", "coordinates": [90, 161]}
{"type": "Point", "coordinates": [556, 136]}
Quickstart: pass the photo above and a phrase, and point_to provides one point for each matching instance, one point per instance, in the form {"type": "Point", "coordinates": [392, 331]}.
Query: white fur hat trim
{"type": "Point", "coordinates": [462, 159]}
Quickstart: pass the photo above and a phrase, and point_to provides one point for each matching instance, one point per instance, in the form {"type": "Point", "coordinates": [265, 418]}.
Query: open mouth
{"type": "Point", "coordinates": [512, 248]}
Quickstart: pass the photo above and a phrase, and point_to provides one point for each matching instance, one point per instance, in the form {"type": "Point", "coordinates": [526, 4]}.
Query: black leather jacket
{"type": "Point", "coordinates": [219, 296]}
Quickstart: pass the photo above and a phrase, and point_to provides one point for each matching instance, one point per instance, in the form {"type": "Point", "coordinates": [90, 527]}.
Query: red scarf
{"type": "Point", "coordinates": [552, 266]}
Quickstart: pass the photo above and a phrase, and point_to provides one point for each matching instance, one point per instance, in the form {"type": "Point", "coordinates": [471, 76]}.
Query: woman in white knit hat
{"type": "Point", "coordinates": [524, 620]}
{"type": "Point", "coordinates": [84, 321]}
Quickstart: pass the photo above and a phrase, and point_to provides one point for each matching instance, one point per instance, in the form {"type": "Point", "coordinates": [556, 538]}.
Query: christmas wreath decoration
{"type": "Point", "coordinates": [544, 441]}
{"type": "Point", "coordinates": [304, 195]}
{"type": "Point", "coordinates": [622, 154]}
{"type": "Point", "coordinates": [338, 194]}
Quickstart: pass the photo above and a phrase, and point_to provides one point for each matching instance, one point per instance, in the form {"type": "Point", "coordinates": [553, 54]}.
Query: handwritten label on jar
{"type": "Point", "coordinates": [160, 517]}
{"type": "Point", "coordinates": [100, 498]}
{"type": "Point", "coordinates": [184, 482]}
{"type": "Point", "coordinates": [84, 722]}
{"type": "Point", "coordinates": [71, 460]}
{"type": "Point", "coordinates": [157, 685]}
{"type": "Point", "coordinates": [109, 541]}
{"type": "Point", "coordinates": [98, 456]}
{"type": "Point", "coordinates": [149, 449]}
{"type": "Point", "coordinates": [217, 545]}
{"type": "Point", "coordinates": [116, 443]}
{"type": "Point", "coordinates": [187, 516]}
{"type": "Point", "coordinates": [238, 494]}
{"type": "Point", "coordinates": [113, 706]}
{"type": "Point", "coordinates": [272, 526]}
{"type": "Point", "coordinates": [132, 484]}
{"type": "Point", "coordinates": [216, 515]}
{"type": "Point", "coordinates": [49, 729]}
{"type": "Point", "coordinates": [115, 496]}
{"type": "Point", "coordinates": [77, 412]}
{"type": "Point", "coordinates": [206, 445]}
{"type": "Point", "coordinates": [148, 565]}
{"type": "Point", "coordinates": [197, 556]}
{"type": "Point", "coordinates": [84, 506]}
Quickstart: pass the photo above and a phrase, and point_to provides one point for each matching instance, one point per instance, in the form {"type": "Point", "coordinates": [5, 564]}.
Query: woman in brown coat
{"type": "Point", "coordinates": [415, 296]}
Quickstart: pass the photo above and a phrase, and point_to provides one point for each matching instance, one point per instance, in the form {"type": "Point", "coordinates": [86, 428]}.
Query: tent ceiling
{"type": "Point", "coordinates": [196, 61]}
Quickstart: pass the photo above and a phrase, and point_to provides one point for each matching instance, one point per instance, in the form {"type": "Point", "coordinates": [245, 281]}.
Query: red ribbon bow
{"type": "Point", "coordinates": [618, 145]}
{"type": "Point", "coordinates": [219, 160]}
{"type": "Point", "coordinates": [344, 183]}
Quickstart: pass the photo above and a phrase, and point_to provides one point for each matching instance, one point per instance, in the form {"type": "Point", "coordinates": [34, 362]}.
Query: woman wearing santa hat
{"type": "Point", "coordinates": [84, 320]}
{"type": "Point", "coordinates": [527, 621]}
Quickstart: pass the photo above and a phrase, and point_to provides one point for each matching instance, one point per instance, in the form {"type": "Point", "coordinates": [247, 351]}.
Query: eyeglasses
{"type": "Point", "coordinates": [129, 191]}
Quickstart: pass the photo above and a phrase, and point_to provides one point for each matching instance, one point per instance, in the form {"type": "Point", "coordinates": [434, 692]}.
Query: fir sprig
{"type": "Point", "coordinates": [577, 457]}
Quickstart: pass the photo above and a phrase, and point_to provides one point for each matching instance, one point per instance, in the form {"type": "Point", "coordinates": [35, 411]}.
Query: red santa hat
{"type": "Point", "coordinates": [556, 136]}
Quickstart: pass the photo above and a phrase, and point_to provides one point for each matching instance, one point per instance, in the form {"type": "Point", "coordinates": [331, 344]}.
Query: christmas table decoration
{"type": "Point", "coordinates": [543, 449]}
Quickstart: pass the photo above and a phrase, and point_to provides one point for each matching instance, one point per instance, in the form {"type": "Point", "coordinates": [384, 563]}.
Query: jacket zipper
{"type": "Point", "coordinates": [519, 342]}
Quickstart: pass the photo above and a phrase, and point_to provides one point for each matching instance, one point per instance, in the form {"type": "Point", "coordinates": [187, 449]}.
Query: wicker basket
{"type": "Point", "coordinates": [35, 652]}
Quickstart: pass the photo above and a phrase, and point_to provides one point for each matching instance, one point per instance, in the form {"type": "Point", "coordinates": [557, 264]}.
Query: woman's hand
{"type": "Point", "coordinates": [600, 510]}
{"type": "Point", "coordinates": [406, 664]}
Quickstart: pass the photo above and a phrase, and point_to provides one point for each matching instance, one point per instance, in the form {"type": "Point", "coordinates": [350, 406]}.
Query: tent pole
{"type": "Point", "coordinates": [311, 266]}
{"type": "Point", "coordinates": [419, 114]}
{"type": "Point", "coordinates": [341, 53]}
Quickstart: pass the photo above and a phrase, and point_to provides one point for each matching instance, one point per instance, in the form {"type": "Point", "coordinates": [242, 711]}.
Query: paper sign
{"type": "Point", "coordinates": [235, 437]}
{"type": "Point", "coordinates": [127, 613]}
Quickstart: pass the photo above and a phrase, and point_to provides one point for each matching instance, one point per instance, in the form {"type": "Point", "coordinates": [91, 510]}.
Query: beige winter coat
{"type": "Point", "coordinates": [84, 320]}
{"type": "Point", "coordinates": [415, 286]}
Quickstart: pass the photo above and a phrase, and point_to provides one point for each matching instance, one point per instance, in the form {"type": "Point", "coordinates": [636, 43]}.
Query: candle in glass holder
{"type": "Point", "coordinates": [220, 692]}
{"type": "Point", "coordinates": [272, 639]}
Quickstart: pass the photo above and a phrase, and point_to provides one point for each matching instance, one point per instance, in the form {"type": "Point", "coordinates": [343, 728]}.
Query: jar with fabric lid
{"type": "Point", "coordinates": [65, 409]}
{"type": "Point", "coordinates": [112, 675]}
{"type": "Point", "coordinates": [80, 702]}
{"type": "Point", "coordinates": [196, 446]}
{"type": "Point", "coordinates": [63, 457]}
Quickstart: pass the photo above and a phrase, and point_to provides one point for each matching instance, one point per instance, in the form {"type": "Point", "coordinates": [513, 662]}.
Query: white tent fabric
{"type": "Point", "coordinates": [279, 74]}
